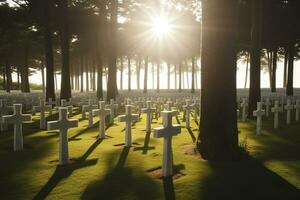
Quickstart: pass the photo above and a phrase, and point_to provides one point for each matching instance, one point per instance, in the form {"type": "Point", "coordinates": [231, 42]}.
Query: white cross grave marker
{"type": "Point", "coordinates": [268, 104]}
{"type": "Point", "coordinates": [289, 107]}
{"type": "Point", "coordinates": [148, 110]}
{"type": "Point", "coordinates": [63, 124]}
{"type": "Point", "coordinates": [276, 110]}
{"type": "Point", "coordinates": [102, 113]}
{"type": "Point", "coordinates": [187, 109]}
{"type": "Point", "coordinates": [64, 103]}
{"type": "Point", "coordinates": [113, 106]}
{"type": "Point", "coordinates": [128, 118]}
{"type": "Point", "coordinates": [89, 108]}
{"type": "Point", "coordinates": [17, 119]}
{"type": "Point", "coordinates": [42, 108]}
{"type": "Point", "coordinates": [167, 132]}
{"type": "Point", "coordinates": [258, 113]}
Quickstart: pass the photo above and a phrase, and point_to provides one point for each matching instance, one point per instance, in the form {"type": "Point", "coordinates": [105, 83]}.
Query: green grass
{"type": "Point", "coordinates": [101, 170]}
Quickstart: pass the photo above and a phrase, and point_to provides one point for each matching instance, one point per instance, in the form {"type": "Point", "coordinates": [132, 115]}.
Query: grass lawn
{"type": "Point", "coordinates": [107, 170]}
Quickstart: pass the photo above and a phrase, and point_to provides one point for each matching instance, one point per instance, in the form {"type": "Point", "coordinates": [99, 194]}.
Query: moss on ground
{"type": "Point", "coordinates": [107, 170]}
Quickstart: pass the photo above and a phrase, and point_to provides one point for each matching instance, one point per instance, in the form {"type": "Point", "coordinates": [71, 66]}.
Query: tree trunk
{"type": "Point", "coordinates": [4, 79]}
{"type": "Point", "coordinates": [286, 59]}
{"type": "Point", "coordinates": [18, 77]}
{"type": "Point", "coordinates": [153, 75]}
{"type": "Point", "coordinates": [290, 75]}
{"type": "Point", "coordinates": [218, 139]}
{"type": "Point", "coordinates": [87, 86]}
{"type": "Point", "coordinates": [157, 77]}
{"type": "Point", "coordinates": [121, 73]}
{"type": "Point", "coordinates": [112, 89]}
{"type": "Point", "coordinates": [81, 72]}
{"type": "Point", "coordinates": [180, 75]}
{"type": "Point", "coordinates": [99, 46]}
{"type": "Point", "coordinates": [24, 73]}
{"type": "Point", "coordinates": [65, 89]}
{"type": "Point", "coordinates": [269, 53]}
{"type": "Point", "coordinates": [8, 77]}
{"type": "Point", "coordinates": [138, 72]}
{"type": "Point", "coordinates": [247, 71]}
{"type": "Point", "coordinates": [193, 75]}
{"type": "Point", "coordinates": [175, 76]}
{"type": "Point", "coordinates": [50, 87]}
{"type": "Point", "coordinates": [146, 75]}
{"type": "Point", "coordinates": [43, 76]}
{"type": "Point", "coordinates": [254, 91]}
{"type": "Point", "coordinates": [129, 74]}
{"type": "Point", "coordinates": [169, 74]}
{"type": "Point", "coordinates": [274, 69]}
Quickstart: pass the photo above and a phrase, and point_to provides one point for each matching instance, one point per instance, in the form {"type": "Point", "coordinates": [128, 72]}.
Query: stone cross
{"type": "Point", "coordinates": [64, 103]}
{"type": "Point", "coordinates": [89, 108]}
{"type": "Point", "coordinates": [289, 107]}
{"type": "Point", "coordinates": [42, 108]}
{"type": "Point", "coordinates": [276, 110]}
{"type": "Point", "coordinates": [63, 124]}
{"type": "Point", "coordinates": [197, 106]}
{"type": "Point", "coordinates": [169, 108]}
{"type": "Point", "coordinates": [113, 108]}
{"type": "Point", "coordinates": [187, 109]}
{"type": "Point", "coordinates": [297, 107]}
{"type": "Point", "coordinates": [167, 132]}
{"type": "Point", "coordinates": [258, 113]}
{"type": "Point", "coordinates": [244, 106]}
{"type": "Point", "coordinates": [51, 103]}
{"type": "Point", "coordinates": [149, 111]}
{"type": "Point", "coordinates": [128, 118]}
{"type": "Point", "coordinates": [84, 108]}
{"type": "Point", "coordinates": [268, 104]}
{"type": "Point", "coordinates": [17, 119]}
{"type": "Point", "coordinates": [102, 113]}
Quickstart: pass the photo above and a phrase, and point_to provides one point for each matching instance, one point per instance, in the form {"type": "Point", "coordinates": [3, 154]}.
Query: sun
{"type": "Point", "coordinates": [161, 26]}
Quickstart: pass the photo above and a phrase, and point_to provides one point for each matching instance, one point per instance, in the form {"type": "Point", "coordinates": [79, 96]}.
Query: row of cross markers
{"type": "Point", "coordinates": [265, 107]}
{"type": "Point", "coordinates": [167, 131]}
{"type": "Point", "coordinates": [64, 123]}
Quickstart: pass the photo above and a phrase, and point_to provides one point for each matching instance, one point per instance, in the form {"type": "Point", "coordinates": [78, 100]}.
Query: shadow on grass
{"type": "Point", "coordinates": [62, 172]}
{"type": "Point", "coordinates": [146, 146]}
{"type": "Point", "coordinates": [247, 179]}
{"type": "Point", "coordinates": [191, 134]}
{"type": "Point", "coordinates": [122, 182]}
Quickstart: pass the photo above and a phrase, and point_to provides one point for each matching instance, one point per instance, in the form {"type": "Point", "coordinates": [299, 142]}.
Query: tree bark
{"type": "Point", "coordinates": [286, 59]}
{"type": "Point", "coordinates": [157, 76]}
{"type": "Point", "coordinates": [121, 73]}
{"type": "Point", "coordinates": [129, 73]}
{"type": "Point", "coordinates": [180, 75]}
{"type": "Point", "coordinates": [138, 72]}
{"type": "Point", "coordinates": [65, 90]}
{"type": "Point", "coordinates": [274, 69]}
{"type": "Point", "coordinates": [87, 86]}
{"type": "Point", "coordinates": [24, 73]}
{"type": "Point", "coordinates": [169, 74]}
{"type": "Point", "coordinates": [290, 75]}
{"type": "Point", "coordinates": [81, 72]}
{"type": "Point", "coordinates": [254, 91]}
{"type": "Point", "coordinates": [247, 71]}
{"type": "Point", "coordinates": [218, 139]}
{"type": "Point", "coordinates": [8, 77]}
{"type": "Point", "coordinates": [50, 87]}
{"type": "Point", "coordinates": [43, 76]}
{"type": "Point", "coordinates": [112, 89]}
{"type": "Point", "coordinates": [146, 75]}
{"type": "Point", "coordinates": [193, 75]}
